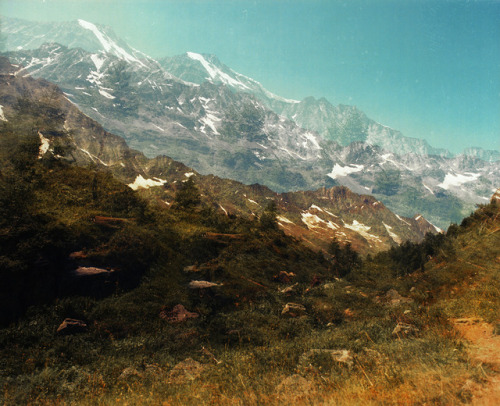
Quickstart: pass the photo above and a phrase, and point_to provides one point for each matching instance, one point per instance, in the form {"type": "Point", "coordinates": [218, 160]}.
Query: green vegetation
{"type": "Point", "coordinates": [55, 217]}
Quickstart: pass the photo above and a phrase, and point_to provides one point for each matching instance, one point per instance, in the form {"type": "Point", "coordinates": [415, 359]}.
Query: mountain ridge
{"type": "Point", "coordinates": [216, 129]}
{"type": "Point", "coordinates": [316, 216]}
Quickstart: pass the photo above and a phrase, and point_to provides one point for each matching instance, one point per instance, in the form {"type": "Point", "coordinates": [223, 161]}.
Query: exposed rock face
{"type": "Point", "coordinates": [178, 314]}
{"type": "Point", "coordinates": [72, 326]}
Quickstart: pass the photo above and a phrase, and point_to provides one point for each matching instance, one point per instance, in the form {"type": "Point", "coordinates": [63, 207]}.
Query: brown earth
{"type": "Point", "coordinates": [485, 350]}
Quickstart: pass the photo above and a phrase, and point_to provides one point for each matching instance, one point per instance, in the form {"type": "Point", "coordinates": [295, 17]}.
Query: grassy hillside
{"type": "Point", "coordinates": [337, 341]}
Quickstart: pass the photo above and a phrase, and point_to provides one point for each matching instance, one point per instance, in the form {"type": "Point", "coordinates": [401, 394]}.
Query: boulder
{"type": "Point", "coordinates": [392, 298]}
{"type": "Point", "coordinates": [185, 371]}
{"type": "Point", "coordinates": [203, 285]}
{"type": "Point", "coordinates": [178, 314]}
{"type": "Point", "coordinates": [82, 271]}
{"type": "Point", "coordinates": [72, 326]}
{"type": "Point", "coordinates": [288, 289]}
{"type": "Point", "coordinates": [294, 387]}
{"type": "Point", "coordinates": [293, 310]}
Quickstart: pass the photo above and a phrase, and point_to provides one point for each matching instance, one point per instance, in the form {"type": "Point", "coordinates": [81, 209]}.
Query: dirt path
{"type": "Point", "coordinates": [485, 349]}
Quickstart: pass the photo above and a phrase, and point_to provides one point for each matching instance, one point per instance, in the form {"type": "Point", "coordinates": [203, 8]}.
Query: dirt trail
{"type": "Point", "coordinates": [485, 349]}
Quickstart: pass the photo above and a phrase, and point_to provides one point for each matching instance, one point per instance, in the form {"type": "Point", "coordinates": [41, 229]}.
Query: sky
{"type": "Point", "coordinates": [428, 68]}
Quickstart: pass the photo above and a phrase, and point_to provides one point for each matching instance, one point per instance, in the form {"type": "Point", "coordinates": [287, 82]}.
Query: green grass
{"type": "Point", "coordinates": [240, 323]}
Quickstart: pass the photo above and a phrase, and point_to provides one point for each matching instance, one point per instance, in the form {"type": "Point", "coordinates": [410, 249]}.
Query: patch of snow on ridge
{"type": "Point", "coordinates": [457, 180]}
{"type": "Point", "coordinates": [339, 171]}
{"type": "Point", "coordinates": [313, 221]}
{"type": "Point", "coordinates": [394, 236]}
{"type": "Point", "coordinates": [284, 220]}
{"type": "Point", "coordinates": [2, 116]}
{"type": "Point", "coordinates": [404, 221]}
{"type": "Point", "coordinates": [107, 43]}
{"type": "Point", "coordinates": [209, 120]}
{"type": "Point", "coordinates": [215, 72]}
{"type": "Point", "coordinates": [189, 174]}
{"type": "Point", "coordinates": [428, 188]}
{"type": "Point", "coordinates": [309, 137]}
{"type": "Point", "coordinates": [98, 62]}
{"type": "Point", "coordinates": [106, 94]}
{"type": "Point", "coordinates": [140, 182]}
{"type": "Point", "coordinates": [360, 228]}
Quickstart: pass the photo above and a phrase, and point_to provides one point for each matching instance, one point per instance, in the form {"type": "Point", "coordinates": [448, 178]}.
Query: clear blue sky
{"type": "Point", "coordinates": [429, 68]}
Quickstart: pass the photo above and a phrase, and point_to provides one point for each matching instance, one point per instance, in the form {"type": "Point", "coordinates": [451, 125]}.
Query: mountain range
{"type": "Point", "coordinates": [316, 217]}
{"type": "Point", "coordinates": [198, 111]}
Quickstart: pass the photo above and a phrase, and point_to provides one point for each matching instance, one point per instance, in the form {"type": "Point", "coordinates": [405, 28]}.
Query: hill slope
{"type": "Point", "coordinates": [40, 108]}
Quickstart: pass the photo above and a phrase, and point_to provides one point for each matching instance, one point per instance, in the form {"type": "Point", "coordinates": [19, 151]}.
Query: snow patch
{"type": "Point", "coordinates": [44, 145]}
{"type": "Point", "coordinates": [108, 44]}
{"type": "Point", "coordinates": [309, 137]}
{"type": "Point", "coordinates": [400, 219]}
{"type": "Point", "coordinates": [93, 157]}
{"type": "Point", "coordinates": [215, 73]}
{"type": "Point", "coordinates": [98, 61]}
{"type": "Point", "coordinates": [140, 182]}
{"type": "Point", "coordinates": [284, 220]}
{"type": "Point", "coordinates": [223, 209]}
{"type": "Point", "coordinates": [209, 120]}
{"type": "Point", "coordinates": [391, 233]}
{"type": "Point", "coordinates": [361, 229]}
{"type": "Point", "coordinates": [428, 188]}
{"type": "Point", "coordinates": [313, 221]}
{"type": "Point", "coordinates": [2, 116]}
{"type": "Point", "coordinates": [106, 94]}
{"type": "Point", "coordinates": [457, 180]}
{"type": "Point", "coordinates": [189, 174]}
{"type": "Point", "coordinates": [159, 128]}
{"type": "Point", "coordinates": [339, 171]}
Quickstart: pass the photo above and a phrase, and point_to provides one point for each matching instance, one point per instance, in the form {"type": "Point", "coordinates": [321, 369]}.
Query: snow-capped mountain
{"type": "Point", "coordinates": [200, 68]}
{"type": "Point", "coordinates": [22, 34]}
{"type": "Point", "coordinates": [316, 217]}
{"type": "Point", "coordinates": [221, 122]}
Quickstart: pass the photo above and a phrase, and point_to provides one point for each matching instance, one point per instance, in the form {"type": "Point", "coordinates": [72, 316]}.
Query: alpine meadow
{"type": "Point", "coordinates": [199, 204]}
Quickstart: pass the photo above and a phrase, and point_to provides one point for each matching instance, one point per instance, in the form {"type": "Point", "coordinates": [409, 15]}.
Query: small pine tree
{"type": "Point", "coordinates": [188, 196]}
{"type": "Point", "coordinates": [268, 218]}
{"type": "Point", "coordinates": [345, 258]}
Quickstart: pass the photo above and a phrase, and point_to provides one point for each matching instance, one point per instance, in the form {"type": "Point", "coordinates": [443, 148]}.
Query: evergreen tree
{"type": "Point", "coordinates": [188, 196]}
{"type": "Point", "coordinates": [268, 218]}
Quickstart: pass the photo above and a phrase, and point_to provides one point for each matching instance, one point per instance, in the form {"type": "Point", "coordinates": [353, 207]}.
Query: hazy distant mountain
{"type": "Point", "coordinates": [225, 126]}
{"type": "Point", "coordinates": [342, 124]}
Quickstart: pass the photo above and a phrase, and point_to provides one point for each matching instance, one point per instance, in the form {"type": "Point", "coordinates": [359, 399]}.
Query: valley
{"type": "Point", "coordinates": [173, 233]}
